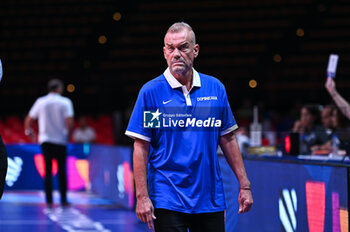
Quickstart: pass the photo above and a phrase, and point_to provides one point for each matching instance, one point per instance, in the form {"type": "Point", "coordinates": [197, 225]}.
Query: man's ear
{"type": "Point", "coordinates": [196, 50]}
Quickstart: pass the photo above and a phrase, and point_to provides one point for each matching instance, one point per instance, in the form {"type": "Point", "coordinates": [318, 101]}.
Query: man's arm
{"type": "Point", "coordinates": [342, 104]}
{"type": "Point", "coordinates": [144, 206]}
{"type": "Point", "coordinates": [28, 128]}
{"type": "Point", "coordinates": [69, 125]}
{"type": "Point", "coordinates": [233, 156]}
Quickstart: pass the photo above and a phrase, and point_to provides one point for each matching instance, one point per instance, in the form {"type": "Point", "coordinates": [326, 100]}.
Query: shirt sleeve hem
{"type": "Point", "coordinates": [228, 130]}
{"type": "Point", "coordinates": [134, 135]}
{"type": "Point", "coordinates": [33, 116]}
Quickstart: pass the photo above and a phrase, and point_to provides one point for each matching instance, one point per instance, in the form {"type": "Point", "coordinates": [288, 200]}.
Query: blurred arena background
{"type": "Point", "coordinates": [106, 50]}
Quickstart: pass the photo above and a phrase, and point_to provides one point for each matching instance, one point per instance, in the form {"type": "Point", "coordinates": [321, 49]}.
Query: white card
{"type": "Point", "coordinates": [332, 65]}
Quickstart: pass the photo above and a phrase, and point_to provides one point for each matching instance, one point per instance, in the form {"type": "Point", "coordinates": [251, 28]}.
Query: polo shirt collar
{"type": "Point", "coordinates": [53, 94]}
{"type": "Point", "coordinates": [174, 83]}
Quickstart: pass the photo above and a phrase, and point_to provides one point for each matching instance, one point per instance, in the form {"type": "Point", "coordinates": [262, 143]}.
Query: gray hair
{"type": "Point", "coordinates": [54, 85]}
{"type": "Point", "coordinates": [179, 26]}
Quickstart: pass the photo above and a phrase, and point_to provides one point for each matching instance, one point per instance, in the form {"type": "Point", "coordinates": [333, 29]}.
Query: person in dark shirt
{"type": "Point", "coordinates": [309, 128]}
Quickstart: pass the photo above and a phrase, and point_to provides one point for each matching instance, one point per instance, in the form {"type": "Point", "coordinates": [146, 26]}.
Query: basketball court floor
{"type": "Point", "coordinates": [26, 212]}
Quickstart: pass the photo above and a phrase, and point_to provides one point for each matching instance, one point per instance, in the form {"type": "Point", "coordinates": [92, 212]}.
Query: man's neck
{"type": "Point", "coordinates": [185, 79]}
{"type": "Point", "coordinates": [56, 92]}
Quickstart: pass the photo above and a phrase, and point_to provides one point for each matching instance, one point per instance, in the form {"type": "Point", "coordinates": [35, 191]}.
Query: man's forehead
{"type": "Point", "coordinates": [181, 37]}
{"type": "Point", "coordinates": [171, 43]}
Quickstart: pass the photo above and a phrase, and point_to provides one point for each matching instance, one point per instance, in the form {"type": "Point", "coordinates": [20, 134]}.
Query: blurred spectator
{"type": "Point", "coordinates": [328, 121]}
{"type": "Point", "coordinates": [341, 130]}
{"type": "Point", "coordinates": [309, 128]}
{"type": "Point", "coordinates": [84, 133]}
{"type": "Point", "coordinates": [342, 104]}
{"type": "Point", "coordinates": [334, 122]}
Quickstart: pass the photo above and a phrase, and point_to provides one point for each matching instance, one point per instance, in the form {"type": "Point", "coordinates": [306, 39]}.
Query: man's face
{"type": "Point", "coordinates": [335, 119]}
{"type": "Point", "coordinates": [306, 118]}
{"type": "Point", "coordinates": [180, 51]}
{"type": "Point", "coordinates": [327, 119]}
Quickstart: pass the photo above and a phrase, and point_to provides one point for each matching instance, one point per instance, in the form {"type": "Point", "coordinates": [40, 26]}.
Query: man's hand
{"type": "Point", "coordinates": [245, 200]}
{"type": "Point", "coordinates": [28, 122]}
{"type": "Point", "coordinates": [298, 127]}
{"type": "Point", "coordinates": [145, 211]}
{"type": "Point", "coordinates": [330, 86]}
{"type": "Point", "coordinates": [31, 134]}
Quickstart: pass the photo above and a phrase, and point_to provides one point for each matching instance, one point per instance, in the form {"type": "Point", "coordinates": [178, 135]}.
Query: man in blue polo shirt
{"type": "Point", "coordinates": [178, 121]}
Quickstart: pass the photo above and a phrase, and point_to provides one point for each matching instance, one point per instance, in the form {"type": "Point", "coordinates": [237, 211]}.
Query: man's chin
{"type": "Point", "coordinates": [179, 70]}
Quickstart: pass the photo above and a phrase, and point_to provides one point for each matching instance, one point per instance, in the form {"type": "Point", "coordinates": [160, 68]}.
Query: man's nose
{"type": "Point", "coordinates": [177, 53]}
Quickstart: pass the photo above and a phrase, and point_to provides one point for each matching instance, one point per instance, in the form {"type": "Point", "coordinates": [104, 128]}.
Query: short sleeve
{"type": "Point", "coordinates": [228, 121]}
{"type": "Point", "coordinates": [34, 111]}
{"type": "Point", "coordinates": [135, 127]}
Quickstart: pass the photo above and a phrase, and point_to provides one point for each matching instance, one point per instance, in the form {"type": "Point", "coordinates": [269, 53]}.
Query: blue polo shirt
{"type": "Point", "coordinates": [183, 128]}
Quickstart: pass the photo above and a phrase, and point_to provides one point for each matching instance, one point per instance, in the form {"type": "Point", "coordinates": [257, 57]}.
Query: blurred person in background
{"type": "Point", "coordinates": [182, 188]}
{"type": "Point", "coordinates": [84, 133]}
{"type": "Point", "coordinates": [341, 131]}
{"type": "Point", "coordinates": [3, 166]}
{"type": "Point", "coordinates": [335, 125]}
{"type": "Point", "coordinates": [55, 118]}
{"type": "Point", "coordinates": [329, 123]}
{"type": "Point", "coordinates": [309, 128]}
{"type": "Point", "coordinates": [327, 117]}
{"type": "Point", "coordinates": [342, 104]}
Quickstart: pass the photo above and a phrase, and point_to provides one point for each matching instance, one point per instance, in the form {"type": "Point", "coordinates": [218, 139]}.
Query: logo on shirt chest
{"type": "Point", "coordinates": [166, 102]}
{"type": "Point", "coordinates": [208, 98]}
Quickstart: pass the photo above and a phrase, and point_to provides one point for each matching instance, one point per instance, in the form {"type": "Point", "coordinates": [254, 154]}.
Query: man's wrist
{"type": "Point", "coordinates": [245, 186]}
{"type": "Point", "coordinates": [141, 196]}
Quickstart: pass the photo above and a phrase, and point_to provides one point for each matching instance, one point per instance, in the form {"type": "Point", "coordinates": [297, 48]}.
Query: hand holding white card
{"type": "Point", "coordinates": [332, 65]}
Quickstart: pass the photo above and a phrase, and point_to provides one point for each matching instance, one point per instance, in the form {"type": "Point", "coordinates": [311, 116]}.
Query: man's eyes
{"type": "Point", "coordinates": [181, 48]}
{"type": "Point", "coordinates": [170, 49]}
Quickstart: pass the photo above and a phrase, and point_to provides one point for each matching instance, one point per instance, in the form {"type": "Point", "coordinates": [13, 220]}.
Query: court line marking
{"type": "Point", "coordinates": [72, 220]}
